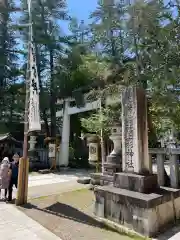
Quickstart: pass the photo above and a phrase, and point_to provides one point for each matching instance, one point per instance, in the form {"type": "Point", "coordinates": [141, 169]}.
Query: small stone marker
{"type": "Point", "coordinates": [135, 157]}
{"type": "Point", "coordinates": [84, 180]}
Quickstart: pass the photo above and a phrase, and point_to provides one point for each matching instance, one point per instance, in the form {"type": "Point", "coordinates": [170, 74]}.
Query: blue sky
{"type": "Point", "coordinates": [80, 9]}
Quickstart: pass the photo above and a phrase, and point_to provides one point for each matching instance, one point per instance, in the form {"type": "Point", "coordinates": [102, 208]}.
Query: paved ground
{"type": "Point", "coordinates": [15, 225]}
{"type": "Point", "coordinates": [40, 185]}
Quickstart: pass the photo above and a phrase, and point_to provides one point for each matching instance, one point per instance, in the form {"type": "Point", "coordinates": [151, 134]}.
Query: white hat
{"type": "Point", "coordinates": [5, 160]}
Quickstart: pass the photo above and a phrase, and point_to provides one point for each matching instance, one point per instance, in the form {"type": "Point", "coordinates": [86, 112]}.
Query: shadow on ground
{"type": "Point", "coordinates": [68, 212]}
{"type": "Point", "coordinates": [170, 233]}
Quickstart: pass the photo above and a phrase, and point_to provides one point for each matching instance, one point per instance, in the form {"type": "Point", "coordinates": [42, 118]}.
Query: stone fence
{"type": "Point", "coordinates": [173, 154]}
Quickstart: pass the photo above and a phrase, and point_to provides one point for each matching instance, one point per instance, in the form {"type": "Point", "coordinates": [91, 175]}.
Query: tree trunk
{"type": "Point", "coordinates": [52, 97]}
{"type": "Point", "coordinates": [3, 50]}
{"type": "Point", "coordinates": [42, 105]}
{"type": "Point", "coordinates": [103, 150]}
{"type": "Point", "coordinates": [52, 87]}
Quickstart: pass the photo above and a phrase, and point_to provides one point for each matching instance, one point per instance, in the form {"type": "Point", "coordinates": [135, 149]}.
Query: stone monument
{"type": "Point", "coordinates": [137, 168]}
{"type": "Point", "coordinates": [134, 200]}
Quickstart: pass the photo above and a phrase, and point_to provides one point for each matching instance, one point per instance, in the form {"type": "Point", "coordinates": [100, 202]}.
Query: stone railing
{"type": "Point", "coordinates": [172, 153]}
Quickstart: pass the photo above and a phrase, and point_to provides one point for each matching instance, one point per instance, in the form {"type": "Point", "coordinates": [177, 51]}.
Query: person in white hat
{"type": "Point", "coordinates": [13, 171]}
{"type": "Point", "coordinates": [4, 176]}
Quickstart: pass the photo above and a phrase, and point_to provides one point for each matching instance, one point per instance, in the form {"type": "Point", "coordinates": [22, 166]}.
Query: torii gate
{"type": "Point", "coordinates": [63, 156]}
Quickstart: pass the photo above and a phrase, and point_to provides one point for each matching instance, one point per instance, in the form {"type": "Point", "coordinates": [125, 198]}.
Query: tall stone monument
{"type": "Point", "coordinates": [137, 168]}
{"type": "Point", "coordinates": [134, 132]}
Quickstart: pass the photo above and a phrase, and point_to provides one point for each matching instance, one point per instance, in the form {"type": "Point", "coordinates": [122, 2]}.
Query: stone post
{"type": "Point", "coordinates": [160, 169]}
{"type": "Point", "coordinates": [64, 149]}
{"type": "Point", "coordinates": [174, 171]}
{"type": "Point", "coordinates": [174, 165]}
{"type": "Point", "coordinates": [114, 160]}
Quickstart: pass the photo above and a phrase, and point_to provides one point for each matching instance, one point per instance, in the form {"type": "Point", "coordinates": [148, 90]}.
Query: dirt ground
{"type": "Point", "coordinates": [69, 216]}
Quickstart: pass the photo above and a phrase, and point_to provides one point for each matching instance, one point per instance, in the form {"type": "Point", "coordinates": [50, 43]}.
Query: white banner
{"type": "Point", "coordinates": [34, 111]}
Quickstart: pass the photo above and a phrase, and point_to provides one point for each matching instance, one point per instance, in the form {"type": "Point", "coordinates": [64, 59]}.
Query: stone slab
{"type": "Point", "coordinates": [101, 179]}
{"type": "Point", "coordinates": [138, 199]}
{"type": "Point", "coordinates": [135, 198]}
{"type": "Point", "coordinates": [84, 180]}
{"type": "Point", "coordinates": [136, 182]}
{"type": "Point", "coordinates": [45, 171]}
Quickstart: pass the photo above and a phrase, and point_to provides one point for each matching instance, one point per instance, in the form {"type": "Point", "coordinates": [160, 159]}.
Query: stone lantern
{"type": "Point", "coordinates": [113, 163]}
{"type": "Point", "coordinates": [114, 160]}
{"type": "Point", "coordinates": [34, 162]}
{"type": "Point", "coordinates": [93, 143]}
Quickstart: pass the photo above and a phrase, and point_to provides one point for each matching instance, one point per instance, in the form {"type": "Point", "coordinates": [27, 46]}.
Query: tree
{"type": "Point", "coordinates": [102, 120]}
{"type": "Point", "coordinates": [48, 41]}
{"type": "Point", "coordinates": [9, 69]}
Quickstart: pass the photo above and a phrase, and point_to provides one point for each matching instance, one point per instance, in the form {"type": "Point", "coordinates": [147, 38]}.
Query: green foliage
{"type": "Point", "coordinates": [124, 44]}
{"type": "Point", "coordinates": [102, 120]}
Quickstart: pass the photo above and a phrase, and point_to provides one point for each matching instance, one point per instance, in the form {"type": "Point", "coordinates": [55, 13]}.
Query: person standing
{"type": "Point", "coordinates": [4, 176]}
{"type": "Point", "coordinates": [14, 169]}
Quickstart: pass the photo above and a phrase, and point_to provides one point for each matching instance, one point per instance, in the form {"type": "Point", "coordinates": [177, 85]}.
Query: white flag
{"type": "Point", "coordinates": [34, 111]}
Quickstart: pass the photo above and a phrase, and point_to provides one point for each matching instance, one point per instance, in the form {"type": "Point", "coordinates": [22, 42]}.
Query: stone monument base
{"type": "Point", "coordinates": [107, 177]}
{"type": "Point", "coordinates": [101, 179]}
{"type": "Point", "coordinates": [147, 214]}
{"type": "Point", "coordinates": [136, 182]}
{"type": "Point", "coordinates": [111, 168]}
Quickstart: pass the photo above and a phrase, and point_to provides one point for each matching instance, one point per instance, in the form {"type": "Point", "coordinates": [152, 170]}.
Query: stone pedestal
{"type": "Point", "coordinates": [101, 179]}
{"type": "Point", "coordinates": [147, 214]}
{"type": "Point", "coordinates": [137, 183]}
{"type": "Point", "coordinates": [114, 160]}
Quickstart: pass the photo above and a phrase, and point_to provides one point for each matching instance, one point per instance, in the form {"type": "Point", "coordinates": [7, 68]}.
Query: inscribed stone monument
{"type": "Point", "coordinates": [135, 155]}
